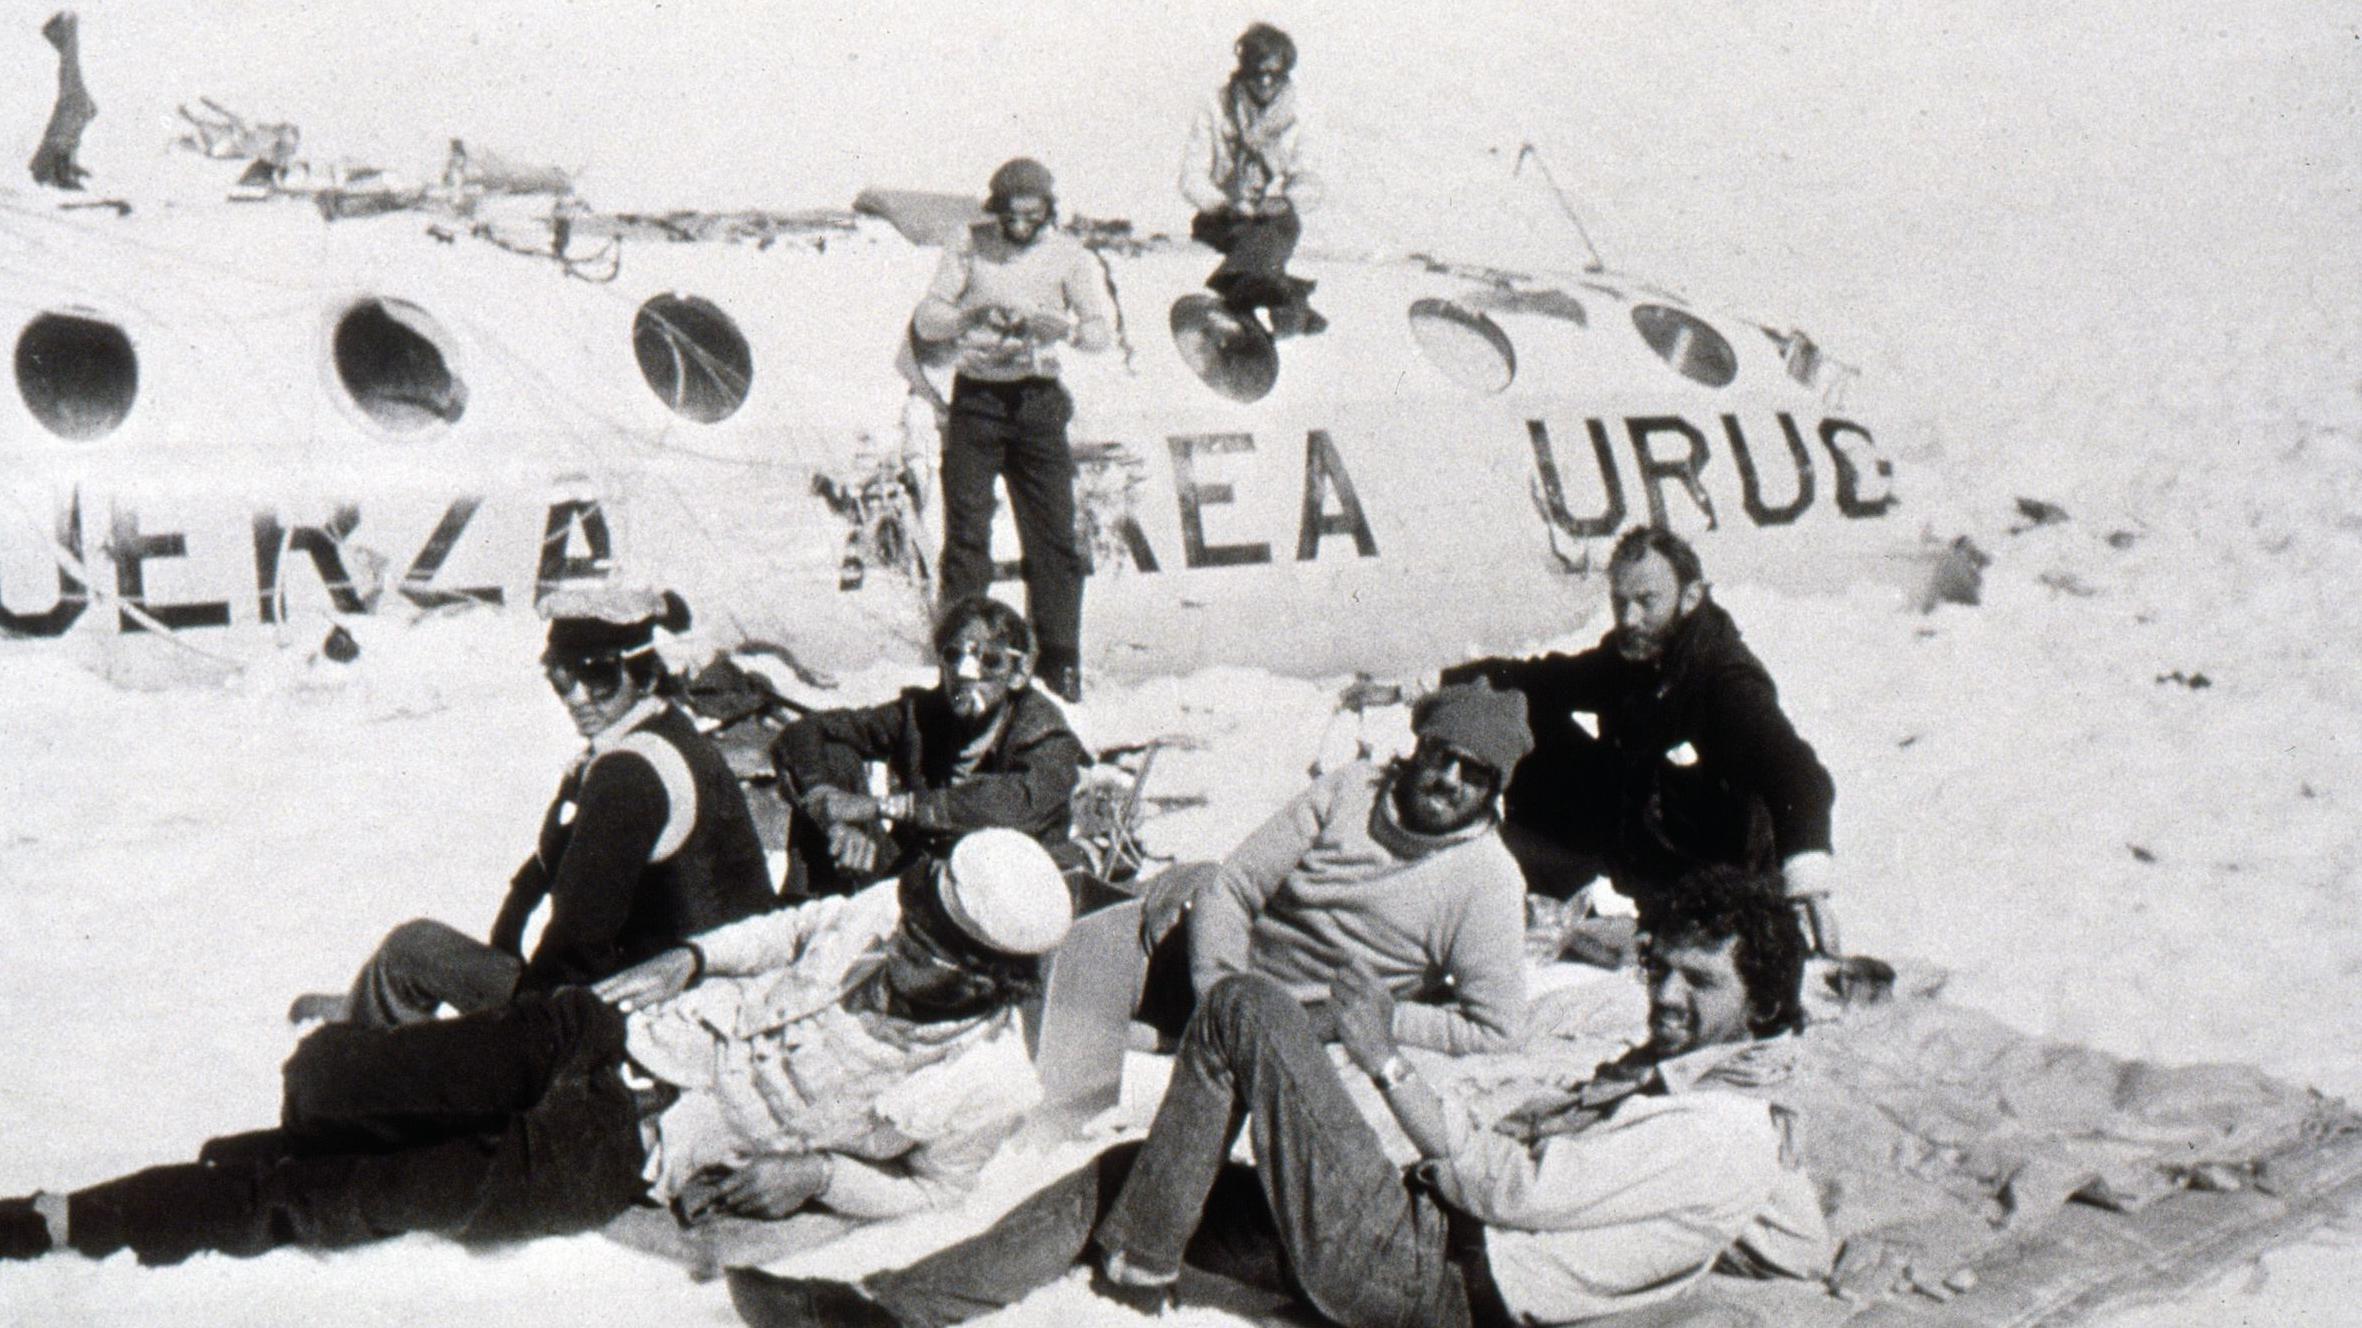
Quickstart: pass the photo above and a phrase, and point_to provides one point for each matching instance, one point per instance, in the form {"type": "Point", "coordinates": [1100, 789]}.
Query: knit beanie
{"type": "Point", "coordinates": [1017, 177]}
{"type": "Point", "coordinates": [1487, 724]}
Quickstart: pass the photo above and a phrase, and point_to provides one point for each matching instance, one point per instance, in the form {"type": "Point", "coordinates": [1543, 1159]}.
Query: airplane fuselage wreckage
{"type": "Point", "coordinates": [238, 420]}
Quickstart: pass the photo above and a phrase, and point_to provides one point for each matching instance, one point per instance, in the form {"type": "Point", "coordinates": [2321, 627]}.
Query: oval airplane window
{"type": "Point", "coordinates": [1694, 349]}
{"type": "Point", "coordinates": [389, 356]}
{"type": "Point", "coordinates": [1469, 347]}
{"type": "Point", "coordinates": [693, 356]}
{"type": "Point", "coordinates": [78, 375]}
{"type": "Point", "coordinates": [1232, 355]}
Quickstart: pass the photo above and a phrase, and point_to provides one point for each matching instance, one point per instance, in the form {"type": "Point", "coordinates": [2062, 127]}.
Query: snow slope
{"type": "Point", "coordinates": [2097, 255]}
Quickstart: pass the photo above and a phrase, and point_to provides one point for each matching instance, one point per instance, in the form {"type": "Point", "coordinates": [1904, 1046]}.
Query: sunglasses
{"type": "Point", "coordinates": [992, 660]}
{"type": "Point", "coordinates": [1460, 766]}
{"type": "Point", "coordinates": [601, 677]}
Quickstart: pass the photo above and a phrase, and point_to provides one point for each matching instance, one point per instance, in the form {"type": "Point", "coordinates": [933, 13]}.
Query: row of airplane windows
{"type": "Point", "coordinates": [79, 374]}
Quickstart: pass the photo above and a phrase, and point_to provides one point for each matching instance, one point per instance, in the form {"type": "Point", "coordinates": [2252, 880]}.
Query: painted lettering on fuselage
{"type": "Point", "coordinates": [576, 544]}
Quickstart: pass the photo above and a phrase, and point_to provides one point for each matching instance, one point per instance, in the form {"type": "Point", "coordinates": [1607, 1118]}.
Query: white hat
{"type": "Point", "coordinates": [1002, 889]}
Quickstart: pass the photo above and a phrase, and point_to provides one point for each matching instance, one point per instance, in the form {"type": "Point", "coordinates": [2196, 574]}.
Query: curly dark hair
{"type": "Point", "coordinates": [1641, 541]}
{"type": "Point", "coordinates": [998, 618]}
{"type": "Point", "coordinates": [1261, 41]}
{"type": "Point", "coordinates": [1710, 905]}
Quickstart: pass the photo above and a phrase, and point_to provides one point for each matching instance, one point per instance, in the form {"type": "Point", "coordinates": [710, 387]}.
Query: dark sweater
{"type": "Point", "coordinates": [611, 905]}
{"type": "Point", "coordinates": [1024, 781]}
{"type": "Point", "coordinates": [1753, 777]}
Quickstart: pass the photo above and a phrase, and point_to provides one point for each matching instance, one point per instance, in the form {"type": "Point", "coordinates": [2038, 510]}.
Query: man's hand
{"type": "Point", "coordinates": [772, 1186]}
{"type": "Point", "coordinates": [650, 981]}
{"type": "Point", "coordinates": [833, 806]}
{"type": "Point", "coordinates": [1811, 879]}
{"type": "Point", "coordinates": [1365, 1015]}
{"type": "Point", "coordinates": [1046, 328]}
{"type": "Point", "coordinates": [854, 847]}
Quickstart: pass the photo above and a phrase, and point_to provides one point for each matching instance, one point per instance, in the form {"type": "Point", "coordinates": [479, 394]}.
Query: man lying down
{"type": "Point", "coordinates": [859, 1055]}
{"type": "Point", "coordinates": [1612, 1196]}
{"type": "Point", "coordinates": [1898, 1147]}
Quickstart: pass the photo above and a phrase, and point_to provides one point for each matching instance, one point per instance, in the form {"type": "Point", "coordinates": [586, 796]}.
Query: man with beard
{"type": "Point", "coordinates": [1693, 763]}
{"type": "Point", "coordinates": [981, 748]}
{"type": "Point", "coordinates": [1398, 868]}
{"type": "Point", "coordinates": [1009, 289]}
{"type": "Point", "coordinates": [647, 843]}
{"type": "Point", "coordinates": [1611, 1196]}
{"type": "Point", "coordinates": [1248, 172]}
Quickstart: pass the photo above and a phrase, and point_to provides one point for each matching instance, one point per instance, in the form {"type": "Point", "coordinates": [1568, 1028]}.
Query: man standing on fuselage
{"type": "Point", "coordinates": [1010, 288]}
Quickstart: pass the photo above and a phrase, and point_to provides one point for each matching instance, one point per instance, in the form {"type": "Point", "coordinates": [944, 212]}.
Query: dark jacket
{"type": "Point", "coordinates": [635, 859]}
{"type": "Point", "coordinates": [1744, 790]}
{"type": "Point", "coordinates": [1025, 781]}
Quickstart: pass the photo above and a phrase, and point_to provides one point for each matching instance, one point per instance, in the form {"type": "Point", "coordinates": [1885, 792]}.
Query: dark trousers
{"type": "Point", "coordinates": [497, 1126]}
{"type": "Point", "coordinates": [1255, 253]}
{"type": "Point", "coordinates": [1015, 432]}
{"type": "Point", "coordinates": [423, 965]}
{"type": "Point", "coordinates": [1577, 809]}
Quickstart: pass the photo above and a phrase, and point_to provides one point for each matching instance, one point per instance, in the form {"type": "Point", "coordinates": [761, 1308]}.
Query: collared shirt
{"type": "Point", "coordinates": [770, 1059]}
{"type": "Point", "coordinates": [1637, 1189]}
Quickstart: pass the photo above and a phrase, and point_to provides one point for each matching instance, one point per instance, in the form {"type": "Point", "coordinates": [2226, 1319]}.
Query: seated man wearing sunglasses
{"type": "Point", "coordinates": [981, 748]}
{"type": "Point", "coordinates": [648, 841]}
{"type": "Point", "coordinates": [1397, 867]}
{"type": "Point", "coordinates": [857, 1055]}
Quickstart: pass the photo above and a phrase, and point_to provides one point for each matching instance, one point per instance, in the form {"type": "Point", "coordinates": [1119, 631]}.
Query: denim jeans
{"type": "Point", "coordinates": [494, 1127]}
{"type": "Point", "coordinates": [1233, 1262]}
{"type": "Point", "coordinates": [1361, 1245]}
{"type": "Point", "coordinates": [423, 965]}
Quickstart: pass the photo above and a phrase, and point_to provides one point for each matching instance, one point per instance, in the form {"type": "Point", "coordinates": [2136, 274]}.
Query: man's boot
{"type": "Point", "coordinates": [768, 1300]}
{"type": "Point", "coordinates": [1293, 316]}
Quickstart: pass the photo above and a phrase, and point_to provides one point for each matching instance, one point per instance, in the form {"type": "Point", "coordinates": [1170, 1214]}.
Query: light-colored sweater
{"type": "Point", "coordinates": [1241, 153]}
{"type": "Point", "coordinates": [1439, 920]}
{"type": "Point", "coordinates": [982, 269]}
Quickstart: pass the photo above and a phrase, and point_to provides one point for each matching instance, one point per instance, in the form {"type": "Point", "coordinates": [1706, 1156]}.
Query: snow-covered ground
{"type": "Point", "coordinates": [2097, 255]}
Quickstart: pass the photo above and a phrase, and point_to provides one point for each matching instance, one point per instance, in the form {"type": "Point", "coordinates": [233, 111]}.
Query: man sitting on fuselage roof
{"type": "Point", "coordinates": [979, 749]}
{"type": "Point", "coordinates": [1614, 1195]}
{"type": "Point", "coordinates": [1694, 763]}
{"type": "Point", "coordinates": [1399, 867]}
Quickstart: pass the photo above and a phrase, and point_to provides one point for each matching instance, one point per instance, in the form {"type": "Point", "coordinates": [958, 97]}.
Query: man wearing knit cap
{"type": "Point", "coordinates": [1396, 868]}
{"type": "Point", "coordinates": [856, 1055]}
{"type": "Point", "coordinates": [1249, 174]}
{"type": "Point", "coordinates": [648, 840]}
{"type": "Point", "coordinates": [1009, 290]}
